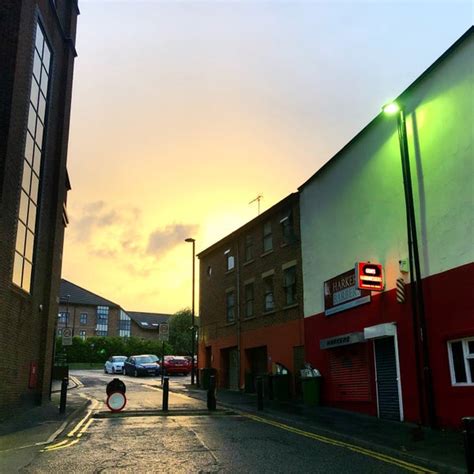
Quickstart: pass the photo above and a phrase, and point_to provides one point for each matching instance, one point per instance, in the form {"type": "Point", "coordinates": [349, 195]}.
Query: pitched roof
{"type": "Point", "coordinates": [74, 294]}
{"type": "Point", "coordinates": [148, 320]}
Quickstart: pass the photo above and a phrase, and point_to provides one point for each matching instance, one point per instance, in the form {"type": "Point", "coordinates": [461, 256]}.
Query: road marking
{"type": "Point", "coordinates": [81, 422]}
{"type": "Point", "coordinates": [381, 457]}
{"type": "Point", "coordinates": [71, 443]}
{"type": "Point", "coordinates": [84, 428]}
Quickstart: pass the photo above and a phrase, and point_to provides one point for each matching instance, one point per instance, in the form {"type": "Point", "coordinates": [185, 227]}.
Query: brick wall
{"type": "Point", "coordinates": [27, 320]}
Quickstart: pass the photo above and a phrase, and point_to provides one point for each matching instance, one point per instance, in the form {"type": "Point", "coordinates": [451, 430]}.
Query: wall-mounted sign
{"type": "Point", "coordinates": [369, 276]}
{"type": "Point", "coordinates": [341, 293]}
{"type": "Point", "coordinates": [342, 340]}
{"type": "Point", "coordinates": [67, 337]}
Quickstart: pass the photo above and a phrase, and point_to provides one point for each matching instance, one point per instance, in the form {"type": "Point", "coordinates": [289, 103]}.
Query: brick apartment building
{"type": "Point", "coordinates": [37, 56]}
{"type": "Point", "coordinates": [251, 299]}
{"type": "Point", "coordinates": [88, 314]}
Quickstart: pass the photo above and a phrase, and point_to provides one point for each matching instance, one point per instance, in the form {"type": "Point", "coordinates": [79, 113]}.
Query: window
{"type": "Point", "coordinates": [248, 248]}
{"type": "Point", "coordinates": [268, 302]}
{"type": "Point", "coordinates": [230, 306]}
{"type": "Point", "coordinates": [287, 232]}
{"type": "Point", "coordinates": [63, 317]}
{"type": "Point", "coordinates": [83, 318]}
{"type": "Point", "coordinates": [289, 285]}
{"type": "Point", "coordinates": [230, 260]}
{"type": "Point", "coordinates": [124, 324]}
{"type": "Point", "coordinates": [249, 297]}
{"type": "Point", "coordinates": [82, 334]}
{"type": "Point", "coordinates": [461, 361]}
{"type": "Point", "coordinates": [102, 327]}
{"type": "Point", "coordinates": [267, 237]}
{"type": "Point", "coordinates": [32, 159]}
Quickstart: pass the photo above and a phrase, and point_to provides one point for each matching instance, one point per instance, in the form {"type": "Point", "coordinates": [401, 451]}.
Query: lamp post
{"type": "Point", "coordinates": [193, 329]}
{"type": "Point", "coordinates": [417, 300]}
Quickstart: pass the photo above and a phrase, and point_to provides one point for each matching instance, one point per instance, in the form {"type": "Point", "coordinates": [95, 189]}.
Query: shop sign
{"type": "Point", "coordinates": [369, 276]}
{"type": "Point", "coordinates": [341, 293]}
{"type": "Point", "coordinates": [342, 340]}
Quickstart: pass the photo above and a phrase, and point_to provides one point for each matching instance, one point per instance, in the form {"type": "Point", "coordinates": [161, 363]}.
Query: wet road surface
{"type": "Point", "coordinates": [227, 442]}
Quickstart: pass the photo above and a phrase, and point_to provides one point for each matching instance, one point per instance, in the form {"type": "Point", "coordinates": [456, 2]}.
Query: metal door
{"type": "Point", "coordinates": [387, 378]}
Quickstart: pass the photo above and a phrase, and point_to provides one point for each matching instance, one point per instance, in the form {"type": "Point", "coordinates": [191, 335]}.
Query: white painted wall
{"type": "Point", "coordinates": [354, 209]}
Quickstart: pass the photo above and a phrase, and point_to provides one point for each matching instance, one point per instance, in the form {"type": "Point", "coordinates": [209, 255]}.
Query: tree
{"type": "Point", "coordinates": [181, 332]}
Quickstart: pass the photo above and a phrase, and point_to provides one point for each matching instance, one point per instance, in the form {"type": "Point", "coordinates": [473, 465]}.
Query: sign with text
{"type": "Point", "coordinates": [164, 332]}
{"type": "Point", "coordinates": [67, 337]}
{"type": "Point", "coordinates": [369, 276]}
{"type": "Point", "coordinates": [341, 293]}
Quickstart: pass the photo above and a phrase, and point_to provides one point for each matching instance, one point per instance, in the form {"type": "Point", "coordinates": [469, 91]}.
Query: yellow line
{"type": "Point", "coordinates": [382, 457]}
{"type": "Point", "coordinates": [71, 443]}
{"type": "Point", "coordinates": [71, 433]}
{"type": "Point", "coordinates": [57, 444]}
{"type": "Point", "coordinates": [84, 428]}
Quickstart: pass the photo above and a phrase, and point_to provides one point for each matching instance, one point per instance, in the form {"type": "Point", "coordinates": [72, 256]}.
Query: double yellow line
{"type": "Point", "coordinates": [74, 436]}
{"type": "Point", "coordinates": [323, 439]}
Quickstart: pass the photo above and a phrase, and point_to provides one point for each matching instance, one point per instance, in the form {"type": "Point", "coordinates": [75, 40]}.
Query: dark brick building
{"type": "Point", "coordinates": [37, 59]}
{"type": "Point", "coordinates": [88, 314]}
{"type": "Point", "coordinates": [251, 299]}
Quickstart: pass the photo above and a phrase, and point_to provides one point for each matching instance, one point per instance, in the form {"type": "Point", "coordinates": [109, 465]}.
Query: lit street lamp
{"type": "Point", "coordinates": [193, 329]}
{"type": "Point", "coordinates": [417, 300]}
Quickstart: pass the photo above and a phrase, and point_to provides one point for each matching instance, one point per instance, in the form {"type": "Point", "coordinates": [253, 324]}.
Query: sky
{"type": "Point", "coordinates": [184, 111]}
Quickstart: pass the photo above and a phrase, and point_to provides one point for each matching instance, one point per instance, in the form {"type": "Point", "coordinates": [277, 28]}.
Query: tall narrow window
{"type": "Point", "coordinates": [248, 248]}
{"type": "Point", "coordinates": [230, 306]}
{"type": "Point", "coordinates": [287, 232]}
{"type": "Point", "coordinates": [124, 324]}
{"type": "Point", "coordinates": [32, 160]}
{"type": "Point", "coordinates": [269, 301]}
{"type": "Point", "coordinates": [83, 318]}
{"type": "Point", "coordinates": [102, 327]}
{"type": "Point", "coordinates": [289, 285]}
{"type": "Point", "coordinates": [267, 237]}
{"type": "Point", "coordinates": [249, 297]}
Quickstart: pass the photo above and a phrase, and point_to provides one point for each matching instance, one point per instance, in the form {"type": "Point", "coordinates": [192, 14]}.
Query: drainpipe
{"type": "Point", "coordinates": [238, 310]}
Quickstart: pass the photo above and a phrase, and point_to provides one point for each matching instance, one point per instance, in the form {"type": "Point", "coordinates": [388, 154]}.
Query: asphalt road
{"type": "Point", "coordinates": [227, 442]}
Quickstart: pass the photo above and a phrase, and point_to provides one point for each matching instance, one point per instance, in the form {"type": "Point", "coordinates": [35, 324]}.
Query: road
{"type": "Point", "coordinates": [193, 440]}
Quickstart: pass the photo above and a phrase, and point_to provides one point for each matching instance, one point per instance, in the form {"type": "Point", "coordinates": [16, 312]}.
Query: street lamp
{"type": "Point", "coordinates": [417, 300]}
{"type": "Point", "coordinates": [193, 241]}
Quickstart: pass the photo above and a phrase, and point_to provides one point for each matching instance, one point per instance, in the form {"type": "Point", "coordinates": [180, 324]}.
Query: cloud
{"type": "Point", "coordinates": [162, 240]}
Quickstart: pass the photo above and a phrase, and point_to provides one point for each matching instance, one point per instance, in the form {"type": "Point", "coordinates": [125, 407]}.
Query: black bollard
{"type": "Point", "coordinates": [259, 393]}
{"type": "Point", "coordinates": [166, 391]}
{"type": "Point", "coordinates": [468, 423]}
{"type": "Point", "coordinates": [211, 394]}
{"type": "Point", "coordinates": [62, 400]}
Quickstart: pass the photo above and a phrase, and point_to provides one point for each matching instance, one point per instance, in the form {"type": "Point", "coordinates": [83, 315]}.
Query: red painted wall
{"type": "Point", "coordinates": [279, 339]}
{"type": "Point", "coordinates": [449, 314]}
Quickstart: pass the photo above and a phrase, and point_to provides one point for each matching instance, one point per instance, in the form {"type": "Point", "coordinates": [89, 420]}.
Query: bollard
{"type": "Point", "coordinates": [259, 393]}
{"type": "Point", "coordinates": [211, 393]}
{"type": "Point", "coordinates": [62, 400]}
{"type": "Point", "coordinates": [166, 391]}
{"type": "Point", "coordinates": [468, 423]}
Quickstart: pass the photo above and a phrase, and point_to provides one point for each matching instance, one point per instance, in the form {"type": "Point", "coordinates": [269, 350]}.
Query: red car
{"type": "Point", "coordinates": [176, 365]}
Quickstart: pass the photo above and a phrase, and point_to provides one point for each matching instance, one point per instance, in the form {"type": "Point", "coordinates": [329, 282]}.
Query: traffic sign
{"type": "Point", "coordinates": [116, 401]}
{"type": "Point", "coordinates": [67, 337]}
{"type": "Point", "coordinates": [369, 276]}
{"type": "Point", "coordinates": [164, 332]}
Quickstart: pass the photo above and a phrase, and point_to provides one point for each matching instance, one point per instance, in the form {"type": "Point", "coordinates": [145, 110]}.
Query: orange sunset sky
{"type": "Point", "coordinates": [184, 111]}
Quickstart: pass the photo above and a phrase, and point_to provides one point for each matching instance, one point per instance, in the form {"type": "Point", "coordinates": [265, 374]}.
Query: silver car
{"type": "Point", "coordinates": [114, 365]}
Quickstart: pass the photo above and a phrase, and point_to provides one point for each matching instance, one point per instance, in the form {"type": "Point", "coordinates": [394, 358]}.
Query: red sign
{"type": "Point", "coordinates": [33, 379]}
{"type": "Point", "coordinates": [369, 276]}
{"type": "Point", "coordinates": [116, 401]}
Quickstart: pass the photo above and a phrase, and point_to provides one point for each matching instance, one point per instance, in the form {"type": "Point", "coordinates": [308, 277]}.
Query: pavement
{"type": "Point", "coordinates": [440, 450]}
{"type": "Point", "coordinates": [22, 435]}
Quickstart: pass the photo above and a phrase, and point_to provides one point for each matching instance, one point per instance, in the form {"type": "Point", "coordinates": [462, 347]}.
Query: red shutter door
{"type": "Point", "coordinates": [349, 373]}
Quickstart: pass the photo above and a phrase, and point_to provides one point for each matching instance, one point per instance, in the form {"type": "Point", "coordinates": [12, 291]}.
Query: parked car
{"type": "Point", "coordinates": [114, 365]}
{"type": "Point", "coordinates": [141, 365]}
{"type": "Point", "coordinates": [176, 365]}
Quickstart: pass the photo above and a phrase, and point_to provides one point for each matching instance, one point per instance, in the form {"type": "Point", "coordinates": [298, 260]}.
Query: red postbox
{"type": "Point", "coordinates": [33, 379]}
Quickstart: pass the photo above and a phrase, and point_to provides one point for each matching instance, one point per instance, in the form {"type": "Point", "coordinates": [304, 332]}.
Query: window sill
{"type": "Point", "coordinates": [250, 318]}
{"type": "Point", "coordinates": [284, 244]}
{"type": "Point", "coordinates": [291, 306]}
{"type": "Point", "coordinates": [454, 385]}
{"type": "Point", "coordinates": [268, 252]}
{"type": "Point", "coordinates": [248, 262]}
{"type": "Point", "coordinates": [20, 291]}
{"type": "Point", "coordinates": [229, 324]}
{"type": "Point", "coordinates": [267, 313]}
{"type": "Point", "coordinates": [228, 272]}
